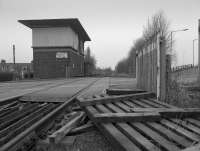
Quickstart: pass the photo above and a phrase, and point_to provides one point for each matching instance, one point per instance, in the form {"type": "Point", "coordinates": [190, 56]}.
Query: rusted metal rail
{"type": "Point", "coordinates": [21, 120]}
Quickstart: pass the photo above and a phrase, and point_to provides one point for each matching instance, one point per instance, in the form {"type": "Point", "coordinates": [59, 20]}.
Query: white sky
{"type": "Point", "coordinates": [113, 25]}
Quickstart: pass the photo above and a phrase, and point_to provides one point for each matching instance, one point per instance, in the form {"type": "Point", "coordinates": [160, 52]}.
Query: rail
{"type": "Point", "coordinates": [11, 144]}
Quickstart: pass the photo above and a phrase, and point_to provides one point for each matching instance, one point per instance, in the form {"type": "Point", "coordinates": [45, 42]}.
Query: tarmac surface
{"type": "Point", "coordinates": [61, 89]}
{"type": "Point", "coordinates": [19, 88]}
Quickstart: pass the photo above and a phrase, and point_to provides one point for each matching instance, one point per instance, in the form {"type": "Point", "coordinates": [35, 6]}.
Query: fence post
{"type": "Point", "coordinates": [168, 74]}
{"type": "Point", "coordinates": [158, 67]}
{"type": "Point", "coordinates": [161, 68]}
{"type": "Point", "coordinates": [199, 52]}
{"type": "Point", "coordinates": [137, 60]}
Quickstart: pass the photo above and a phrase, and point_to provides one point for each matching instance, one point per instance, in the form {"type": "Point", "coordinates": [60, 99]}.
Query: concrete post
{"type": "Point", "coordinates": [199, 50]}
{"type": "Point", "coordinates": [158, 66]}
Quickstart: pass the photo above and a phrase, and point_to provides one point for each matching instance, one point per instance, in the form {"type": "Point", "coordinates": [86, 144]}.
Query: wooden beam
{"type": "Point", "coordinates": [123, 91]}
{"type": "Point", "coordinates": [162, 103]}
{"type": "Point", "coordinates": [180, 114]}
{"type": "Point", "coordinates": [119, 141]}
{"type": "Point", "coordinates": [138, 110]}
{"type": "Point", "coordinates": [126, 117]}
{"type": "Point", "coordinates": [58, 135]}
{"type": "Point", "coordinates": [82, 129]}
{"type": "Point", "coordinates": [193, 148]}
{"type": "Point", "coordinates": [171, 112]}
{"type": "Point", "coordinates": [110, 99]}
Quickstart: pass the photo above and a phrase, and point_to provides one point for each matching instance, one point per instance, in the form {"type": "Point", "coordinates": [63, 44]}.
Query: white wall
{"type": "Point", "coordinates": [54, 36]}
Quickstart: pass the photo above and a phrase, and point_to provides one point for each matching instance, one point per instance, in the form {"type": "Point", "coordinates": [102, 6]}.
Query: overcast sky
{"type": "Point", "coordinates": [113, 25]}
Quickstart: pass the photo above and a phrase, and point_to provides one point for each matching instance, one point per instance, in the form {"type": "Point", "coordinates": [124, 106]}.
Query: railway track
{"type": "Point", "coordinates": [21, 123]}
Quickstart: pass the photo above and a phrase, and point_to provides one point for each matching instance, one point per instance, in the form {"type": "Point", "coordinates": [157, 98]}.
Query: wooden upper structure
{"type": "Point", "coordinates": [58, 47]}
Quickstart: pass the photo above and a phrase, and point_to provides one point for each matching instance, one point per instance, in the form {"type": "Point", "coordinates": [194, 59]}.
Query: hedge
{"type": "Point", "coordinates": [6, 76]}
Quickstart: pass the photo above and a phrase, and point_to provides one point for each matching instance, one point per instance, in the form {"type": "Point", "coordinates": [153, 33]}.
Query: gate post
{"type": "Point", "coordinates": [199, 51]}
{"type": "Point", "coordinates": [158, 67]}
{"type": "Point", "coordinates": [161, 68]}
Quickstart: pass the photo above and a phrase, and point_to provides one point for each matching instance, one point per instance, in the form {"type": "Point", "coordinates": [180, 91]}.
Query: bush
{"type": "Point", "coordinates": [6, 76]}
{"type": "Point", "coordinates": [181, 97]}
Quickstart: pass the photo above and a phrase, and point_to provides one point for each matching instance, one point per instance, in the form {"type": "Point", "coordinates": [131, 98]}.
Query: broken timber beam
{"type": "Point", "coordinates": [185, 113]}
{"type": "Point", "coordinates": [139, 110]}
{"type": "Point", "coordinates": [193, 148]}
{"type": "Point", "coordinates": [82, 129]}
{"type": "Point", "coordinates": [58, 135]}
{"type": "Point", "coordinates": [111, 99]}
{"type": "Point", "coordinates": [123, 91]}
{"type": "Point", "coordinates": [171, 112]}
{"type": "Point", "coordinates": [126, 117]}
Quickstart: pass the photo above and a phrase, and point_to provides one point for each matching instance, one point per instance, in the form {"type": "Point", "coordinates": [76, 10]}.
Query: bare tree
{"type": "Point", "coordinates": [158, 23]}
{"type": "Point", "coordinates": [89, 62]}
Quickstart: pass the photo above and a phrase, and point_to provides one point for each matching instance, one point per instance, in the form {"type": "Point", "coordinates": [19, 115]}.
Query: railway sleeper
{"type": "Point", "coordinates": [8, 105]}
{"type": "Point", "coordinates": [21, 109]}
{"type": "Point", "coordinates": [23, 120]}
{"type": "Point", "coordinates": [7, 111]}
{"type": "Point", "coordinates": [16, 117]}
{"type": "Point", "coordinates": [20, 129]}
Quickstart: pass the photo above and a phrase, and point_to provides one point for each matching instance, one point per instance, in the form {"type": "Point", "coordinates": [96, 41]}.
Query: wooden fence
{"type": "Point", "coordinates": [151, 67]}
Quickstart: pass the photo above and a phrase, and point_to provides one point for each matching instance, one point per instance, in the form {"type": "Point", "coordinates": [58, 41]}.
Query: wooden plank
{"type": "Point", "coordinates": [81, 129]}
{"type": "Point", "coordinates": [170, 134]}
{"type": "Point", "coordinates": [141, 103]}
{"type": "Point", "coordinates": [119, 141]}
{"type": "Point", "coordinates": [163, 142]}
{"type": "Point", "coordinates": [135, 104]}
{"type": "Point", "coordinates": [113, 99]}
{"type": "Point", "coordinates": [180, 114]}
{"type": "Point", "coordinates": [123, 91]}
{"type": "Point", "coordinates": [123, 106]}
{"type": "Point", "coordinates": [57, 136]}
{"type": "Point", "coordinates": [156, 110]}
{"type": "Point", "coordinates": [171, 112]}
{"type": "Point", "coordinates": [117, 138]}
{"type": "Point", "coordinates": [136, 137]}
{"type": "Point", "coordinates": [193, 148]}
{"type": "Point", "coordinates": [161, 103]}
{"type": "Point", "coordinates": [130, 104]}
{"type": "Point", "coordinates": [157, 137]}
{"type": "Point", "coordinates": [193, 121]}
{"type": "Point", "coordinates": [151, 103]}
{"type": "Point", "coordinates": [187, 125]}
{"type": "Point", "coordinates": [90, 110]}
{"type": "Point", "coordinates": [132, 134]}
{"type": "Point", "coordinates": [181, 130]}
{"type": "Point", "coordinates": [126, 117]}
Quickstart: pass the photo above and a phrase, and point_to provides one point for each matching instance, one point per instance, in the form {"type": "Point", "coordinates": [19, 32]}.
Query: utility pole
{"type": "Point", "coordinates": [14, 54]}
{"type": "Point", "coordinates": [14, 77]}
{"type": "Point", "coordinates": [174, 32]}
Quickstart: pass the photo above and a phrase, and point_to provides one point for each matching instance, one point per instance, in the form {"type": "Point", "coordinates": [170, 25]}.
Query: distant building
{"type": "Point", "coordinates": [58, 47]}
{"type": "Point", "coordinates": [20, 69]}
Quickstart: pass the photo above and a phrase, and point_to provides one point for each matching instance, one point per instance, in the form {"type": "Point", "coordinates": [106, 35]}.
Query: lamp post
{"type": "Point", "coordinates": [193, 49]}
{"type": "Point", "coordinates": [174, 32]}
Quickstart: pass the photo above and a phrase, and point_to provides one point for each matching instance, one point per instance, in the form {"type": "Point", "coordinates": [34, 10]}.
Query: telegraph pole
{"type": "Point", "coordinates": [14, 54]}
{"type": "Point", "coordinates": [14, 76]}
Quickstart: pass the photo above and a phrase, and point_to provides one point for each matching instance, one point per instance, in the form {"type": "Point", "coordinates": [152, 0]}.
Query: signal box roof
{"type": "Point", "coordinates": [74, 23]}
